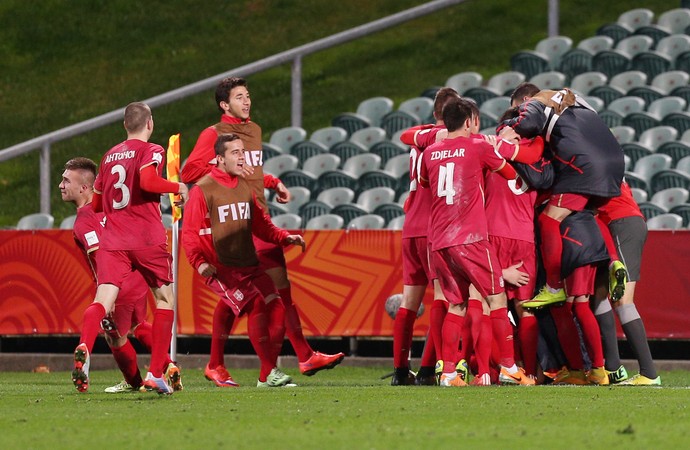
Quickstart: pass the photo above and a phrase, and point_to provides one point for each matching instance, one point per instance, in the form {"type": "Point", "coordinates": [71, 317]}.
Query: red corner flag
{"type": "Point", "coordinates": [173, 170]}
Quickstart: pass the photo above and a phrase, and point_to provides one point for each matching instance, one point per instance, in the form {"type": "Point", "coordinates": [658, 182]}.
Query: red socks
{"type": "Point", "coordinates": [223, 319]}
{"type": "Point", "coordinates": [551, 249]}
{"type": "Point", "coordinates": [528, 331]}
{"type": "Point", "coordinates": [126, 358]}
{"type": "Point", "coordinates": [275, 313]}
{"type": "Point", "coordinates": [402, 336]}
{"type": "Point", "coordinates": [91, 324]}
{"type": "Point", "coordinates": [293, 327]}
{"type": "Point", "coordinates": [142, 333]}
{"type": "Point", "coordinates": [503, 336]}
{"type": "Point", "coordinates": [439, 308]}
{"type": "Point", "coordinates": [590, 332]}
{"type": "Point", "coordinates": [452, 330]}
{"type": "Point", "coordinates": [482, 345]}
{"type": "Point", "coordinates": [161, 333]}
{"type": "Point", "coordinates": [567, 335]}
{"type": "Point", "coordinates": [257, 328]}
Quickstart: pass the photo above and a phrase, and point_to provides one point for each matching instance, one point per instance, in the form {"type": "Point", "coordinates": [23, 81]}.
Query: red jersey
{"type": "Point", "coordinates": [619, 207]}
{"type": "Point", "coordinates": [134, 215]}
{"type": "Point", "coordinates": [419, 201]}
{"type": "Point", "coordinates": [510, 208]}
{"type": "Point", "coordinates": [454, 170]}
{"type": "Point", "coordinates": [87, 234]}
{"type": "Point", "coordinates": [197, 239]}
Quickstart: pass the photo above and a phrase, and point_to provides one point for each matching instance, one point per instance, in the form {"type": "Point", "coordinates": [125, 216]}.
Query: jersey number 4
{"type": "Point", "coordinates": [120, 184]}
{"type": "Point", "coordinates": [445, 182]}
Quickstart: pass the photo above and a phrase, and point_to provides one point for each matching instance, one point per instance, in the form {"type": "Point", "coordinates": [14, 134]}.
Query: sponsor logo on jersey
{"type": "Point", "coordinates": [443, 154]}
{"type": "Point", "coordinates": [237, 211]}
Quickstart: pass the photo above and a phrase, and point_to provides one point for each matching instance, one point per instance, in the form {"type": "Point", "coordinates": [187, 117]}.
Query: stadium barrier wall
{"type": "Point", "coordinates": [340, 284]}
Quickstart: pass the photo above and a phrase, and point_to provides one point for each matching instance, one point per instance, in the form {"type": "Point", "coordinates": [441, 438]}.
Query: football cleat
{"type": "Point", "coordinates": [618, 276]}
{"type": "Point", "coordinates": [598, 376]}
{"type": "Point", "coordinates": [120, 388]}
{"type": "Point", "coordinates": [320, 361]}
{"type": "Point", "coordinates": [546, 298]}
{"type": "Point", "coordinates": [153, 384]}
{"type": "Point", "coordinates": [456, 381]}
{"type": "Point", "coordinates": [617, 375]}
{"type": "Point", "coordinates": [220, 377]}
{"type": "Point", "coordinates": [463, 370]}
{"type": "Point", "coordinates": [174, 376]}
{"type": "Point", "coordinates": [481, 380]}
{"type": "Point", "coordinates": [518, 377]}
{"type": "Point", "coordinates": [80, 374]}
{"type": "Point", "coordinates": [277, 378]}
{"type": "Point", "coordinates": [425, 376]}
{"type": "Point", "coordinates": [641, 380]}
{"type": "Point", "coordinates": [567, 376]}
{"type": "Point", "coordinates": [403, 377]}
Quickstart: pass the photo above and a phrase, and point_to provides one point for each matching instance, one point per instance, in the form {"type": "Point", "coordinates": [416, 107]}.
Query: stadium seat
{"type": "Point", "coordinates": [615, 31]}
{"type": "Point", "coordinates": [682, 62]}
{"type": "Point", "coordinates": [655, 137]}
{"type": "Point", "coordinates": [672, 46]}
{"type": "Point", "coordinates": [652, 63]}
{"type": "Point", "coordinates": [585, 82]}
{"type": "Point", "coordinates": [398, 120]}
{"type": "Point", "coordinates": [639, 195]}
{"type": "Point", "coordinates": [620, 108]}
{"type": "Point", "coordinates": [318, 164]}
{"type": "Point", "coordinates": [167, 221]}
{"type": "Point", "coordinates": [350, 122]}
{"type": "Point", "coordinates": [421, 107]}
{"type": "Point", "coordinates": [646, 93]}
{"type": "Point", "coordinates": [669, 178]}
{"type": "Point", "coordinates": [611, 62]}
{"type": "Point", "coordinates": [285, 138]}
{"type": "Point", "coordinates": [636, 18]}
{"type": "Point", "coordinates": [668, 81]}
{"type": "Point", "coordinates": [336, 196]}
{"type": "Point", "coordinates": [612, 119]}
{"type": "Point", "coordinates": [306, 149]}
{"type": "Point", "coordinates": [359, 164]}
{"type": "Point", "coordinates": [649, 165]}
{"type": "Point", "coordinates": [636, 181]}
{"type": "Point", "coordinates": [366, 137]}
{"type": "Point", "coordinates": [397, 223]}
{"type": "Point", "coordinates": [371, 199]}
{"type": "Point", "coordinates": [549, 80]}
{"type": "Point", "coordinates": [635, 151]}
{"type": "Point", "coordinates": [346, 150]}
{"type": "Point", "coordinates": [607, 94]}
{"type": "Point", "coordinates": [653, 32]}
{"type": "Point", "coordinates": [374, 109]}
{"type": "Point", "coordinates": [287, 221]}
{"type": "Point", "coordinates": [595, 44]}
{"type": "Point", "coordinates": [678, 120]}
{"type": "Point", "coordinates": [348, 211]}
{"type": "Point", "coordinates": [649, 209]}
{"type": "Point", "coordinates": [675, 21]}
{"type": "Point", "coordinates": [336, 178]}
{"type": "Point", "coordinates": [683, 164]}
{"type": "Point", "coordinates": [280, 164]}
{"type": "Point", "coordinates": [481, 94]}
{"type": "Point", "coordinates": [325, 222]}
{"type": "Point", "coordinates": [37, 221]}
{"type": "Point", "coordinates": [329, 136]}
{"type": "Point", "coordinates": [575, 62]}
{"type": "Point", "coordinates": [596, 103]}
{"type": "Point", "coordinates": [387, 150]}
{"type": "Point", "coordinates": [641, 121]}
{"type": "Point", "coordinates": [668, 221]}
{"type": "Point", "coordinates": [299, 195]}
{"type": "Point", "coordinates": [398, 165]}
{"type": "Point", "coordinates": [634, 45]}
{"type": "Point", "coordinates": [313, 209]}
{"type": "Point", "coordinates": [377, 178]}
{"type": "Point", "coordinates": [270, 151]}
{"type": "Point", "coordinates": [670, 198]}
{"type": "Point", "coordinates": [276, 209]}
{"type": "Point", "coordinates": [505, 82]}
{"type": "Point", "coordinates": [682, 92]}
{"type": "Point", "coordinates": [389, 211]}
{"type": "Point", "coordinates": [495, 107]}
{"type": "Point", "coordinates": [298, 177]}
{"type": "Point", "coordinates": [402, 198]}
{"type": "Point", "coordinates": [430, 92]}
{"type": "Point", "coordinates": [529, 63]}
{"type": "Point", "coordinates": [677, 150]}
{"type": "Point", "coordinates": [68, 222]}
{"type": "Point", "coordinates": [628, 80]}
{"type": "Point", "coordinates": [684, 212]}
{"type": "Point", "coordinates": [366, 222]}
{"type": "Point", "coordinates": [554, 47]}
{"type": "Point", "coordinates": [463, 81]}
{"type": "Point", "coordinates": [623, 134]}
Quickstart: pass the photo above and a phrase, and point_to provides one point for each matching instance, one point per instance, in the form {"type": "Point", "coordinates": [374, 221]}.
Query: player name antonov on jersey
{"type": "Point", "coordinates": [129, 154]}
{"type": "Point", "coordinates": [442, 154]}
{"type": "Point", "coordinates": [239, 211]}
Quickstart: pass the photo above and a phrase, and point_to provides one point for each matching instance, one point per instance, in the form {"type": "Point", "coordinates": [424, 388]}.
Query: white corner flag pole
{"type": "Point", "coordinates": [175, 257]}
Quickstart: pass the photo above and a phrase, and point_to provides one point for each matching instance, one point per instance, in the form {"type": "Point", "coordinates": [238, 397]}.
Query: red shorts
{"type": "Point", "coordinates": [458, 267]}
{"type": "Point", "coordinates": [270, 255]}
{"type": "Point", "coordinates": [512, 251]}
{"type": "Point", "coordinates": [154, 264]}
{"type": "Point", "coordinates": [573, 202]}
{"type": "Point", "coordinates": [581, 281]}
{"type": "Point", "coordinates": [239, 286]}
{"type": "Point", "coordinates": [415, 260]}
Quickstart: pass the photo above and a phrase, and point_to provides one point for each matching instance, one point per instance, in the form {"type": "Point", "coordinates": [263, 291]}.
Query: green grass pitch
{"type": "Point", "coordinates": [348, 407]}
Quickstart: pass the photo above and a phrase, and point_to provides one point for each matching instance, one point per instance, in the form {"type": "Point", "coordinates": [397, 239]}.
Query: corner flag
{"type": "Point", "coordinates": [173, 170]}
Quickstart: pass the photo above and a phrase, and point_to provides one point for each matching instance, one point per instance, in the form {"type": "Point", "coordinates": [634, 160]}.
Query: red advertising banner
{"type": "Point", "coordinates": [339, 284]}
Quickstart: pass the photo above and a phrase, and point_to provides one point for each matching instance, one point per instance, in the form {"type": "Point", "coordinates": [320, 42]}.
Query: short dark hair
{"type": "Point", "coordinates": [440, 99]}
{"type": "Point", "coordinates": [225, 86]}
{"type": "Point", "coordinates": [136, 116]}
{"type": "Point", "coordinates": [84, 165]}
{"type": "Point", "coordinates": [219, 146]}
{"type": "Point", "coordinates": [524, 90]}
{"type": "Point", "coordinates": [472, 104]}
{"type": "Point", "coordinates": [455, 112]}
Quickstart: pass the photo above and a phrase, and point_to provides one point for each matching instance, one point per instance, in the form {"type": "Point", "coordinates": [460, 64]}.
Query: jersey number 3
{"type": "Point", "coordinates": [445, 182]}
{"type": "Point", "coordinates": [120, 184]}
